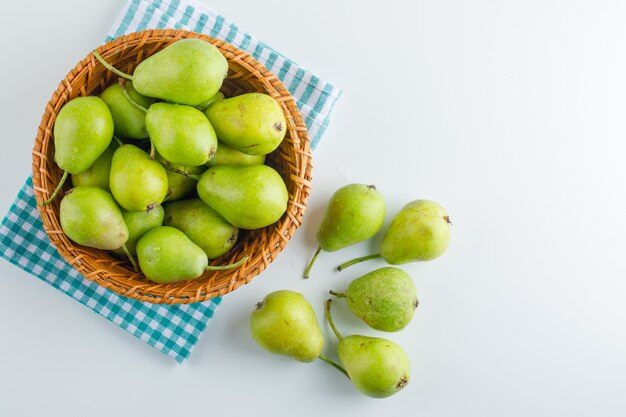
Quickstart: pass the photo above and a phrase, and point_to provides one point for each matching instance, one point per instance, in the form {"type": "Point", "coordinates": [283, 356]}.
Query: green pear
{"type": "Point", "coordinates": [385, 299]}
{"type": "Point", "coordinates": [203, 225]}
{"type": "Point", "coordinates": [181, 179]}
{"type": "Point", "coordinates": [253, 123]}
{"type": "Point", "coordinates": [217, 96]}
{"type": "Point", "coordinates": [419, 232]}
{"type": "Point", "coordinates": [129, 120]}
{"type": "Point", "coordinates": [97, 175]}
{"type": "Point", "coordinates": [139, 223]}
{"type": "Point", "coordinates": [137, 182]}
{"type": "Point", "coordinates": [247, 196]}
{"type": "Point", "coordinates": [82, 131]}
{"type": "Point", "coordinates": [377, 367]}
{"type": "Point", "coordinates": [226, 155]}
{"type": "Point", "coordinates": [355, 213]}
{"type": "Point", "coordinates": [181, 134]}
{"type": "Point", "coordinates": [284, 323]}
{"type": "Point", "coordinates": [187, 71]}
{"type": "Point", "coordinates": [90, 217]}
{"type": "Point", "coordinates": [167, 255]}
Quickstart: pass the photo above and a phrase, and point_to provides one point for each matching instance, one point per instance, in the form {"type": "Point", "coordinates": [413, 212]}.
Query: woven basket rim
{"type": "Point", "coordinates": [114, 274]}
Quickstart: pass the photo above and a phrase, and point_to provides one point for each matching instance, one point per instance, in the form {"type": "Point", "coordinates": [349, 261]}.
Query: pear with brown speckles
{"type": "Point", "coordinates": [253, 123]}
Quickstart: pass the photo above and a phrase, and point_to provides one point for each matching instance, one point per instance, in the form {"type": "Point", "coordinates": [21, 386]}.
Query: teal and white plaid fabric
{"type": "Point", "coordinates": [173, 330]}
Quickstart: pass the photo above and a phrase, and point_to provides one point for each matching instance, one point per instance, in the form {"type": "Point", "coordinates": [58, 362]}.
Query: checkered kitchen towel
{"type": "Point", "coordinates": [174, 330]}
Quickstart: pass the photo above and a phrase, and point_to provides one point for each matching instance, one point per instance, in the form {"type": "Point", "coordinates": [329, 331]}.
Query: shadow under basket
{"type": "Point", "coordinates": [292, 160]}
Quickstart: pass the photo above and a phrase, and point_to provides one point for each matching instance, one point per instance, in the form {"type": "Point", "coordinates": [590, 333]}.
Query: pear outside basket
{"type": "Point", "coordinates": [292, 160]}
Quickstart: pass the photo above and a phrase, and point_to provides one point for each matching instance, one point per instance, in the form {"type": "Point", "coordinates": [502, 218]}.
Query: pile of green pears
{"type": "Point", "coordinates": [385, 299]}
{"type": "Point", "coordinates": [164, 168]}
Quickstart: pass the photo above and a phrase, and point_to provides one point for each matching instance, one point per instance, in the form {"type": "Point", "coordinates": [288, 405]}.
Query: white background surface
{"type": "Point", "coordinates": [511, 114]}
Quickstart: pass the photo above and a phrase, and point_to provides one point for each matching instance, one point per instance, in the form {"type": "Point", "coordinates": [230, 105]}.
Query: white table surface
{"type": "Point", "coordinates": [509, 113]}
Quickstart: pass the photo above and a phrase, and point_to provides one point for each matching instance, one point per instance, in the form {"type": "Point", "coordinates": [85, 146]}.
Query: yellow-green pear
{"type": "Point", "coordinates": [376, 367]}
{"type": "Point", "coordinates": [89, 216]}
{"type": "Point", "coordinates": [137, 182]}
{"type": "Point", "coordinates": [247, 196]}
{"type": "Point", "coordinates": [253, 123]}
{"type": "Point", "coordinates": [181, 134]}
{"type": "Point", "coordinates": [385, 299]}
{"type": "Point", "coordinates": [188, 71]}
{"type": "Point", "coordinates": [167, 255]}
{"type": "Point", "coordinates": [419, 232]}
{"type": "Point", "coordinates": [284, 323]}
{"type": "Point", "coordinates": [82, 131]}
{"type": "Point", "coordinates": [355, 213]}
{"type": "Point", "coordinates": [203, 225]}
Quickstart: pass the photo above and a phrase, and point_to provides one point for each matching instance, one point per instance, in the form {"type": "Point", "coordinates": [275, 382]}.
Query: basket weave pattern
{"type": "Point", "coordinates": [292, 160]}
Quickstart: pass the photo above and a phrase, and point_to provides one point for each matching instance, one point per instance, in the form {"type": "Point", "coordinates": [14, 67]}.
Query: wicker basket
{"type": "Point", "coordinates": [292, 160]}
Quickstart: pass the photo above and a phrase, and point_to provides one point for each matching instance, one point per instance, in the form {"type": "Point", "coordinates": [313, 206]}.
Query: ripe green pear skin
{"type": "Point", "coordinates": [129, 121]}
{"type": "Point", "coordinates": [82, 131]}
{"type": "Point", "coordinates": [355, 213]}
{"type": "Point", "coordinates": [137, 182]}
{"type": "Point", "coordinates": [97, 175]}
{"type": "Point", "coordinates": [203, 225]}
{"type": "Point", "coordinates": [284, 323]}
{"type": "Point", "coordinates": [253, 123]}
{"type": "Point", "coordinates": [385, 299]}
{"type": "Point", "coordinates": [248, 197]}
{"type": "Point", "coordinates": [377, 367]}
{"type": "Point", "coordinates": [90, 217]}
{"type": "Point", "coordinates": [419, 232]}
{"type": "Point", "coordinates": [227, 155]}
{"type": "Point", "coordinates": [139, 223]}
{"type": "Point", "coordinates": [188, 71]}
{"type": "Point", "coordinates": [181, 134]}
{"type": "Point", "coordinates": [166, 255]}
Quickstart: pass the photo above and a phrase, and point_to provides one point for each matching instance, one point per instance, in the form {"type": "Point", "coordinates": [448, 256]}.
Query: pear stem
{"type": "Point", "coordinates": [111, 67]}
{"type": "Point", "coordinates": [308, 268]}
{"type": "Point", "coordinates": [230, 266]}
{"type": "Point", "coordinates": [130, 258]}
{"type": "Point", "coordinates": [181, 172]}
{"type": "Point", "coordinates": [56, 190]}
{"type": "Point", "coordinates": [152, 150]}
{"type": "Point", "coordinates": [334, 365]}
{"type": "Point", "coordinates": [330, 320]}
{"type": "Point", "coordinates": [357, 260]}
{"type": "Point", "coordinates": [130, 99]}
{"type": "Point", "coordinates": [118, 140]}
{"type": "Point", "coordinates": [337, 294]}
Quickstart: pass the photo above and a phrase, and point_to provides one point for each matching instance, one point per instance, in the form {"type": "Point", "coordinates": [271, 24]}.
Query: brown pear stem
{"type": "Point", "coordinates": [334, 365]}
{"type": "Point", "coordinates": [152, 150]}
{"type": "Point", "coordinates": [56, 190]}
{"type": "Point", "coordinates": [130, 257]}
{"type": "Point", "coordinates": [181, 172]}
{"type": "Point", "coordinates": [229, 266]}
{"type": "Point", "coordinates": [330, 320]}
{"type": "Point", "coordinates": [357, 260]}
{"type": "Point", "coordinates": [308, 268]}
{"type": "Point", "coordinates": [111, 67]}
{"type": "Point", "coordinates": [337, 294]}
